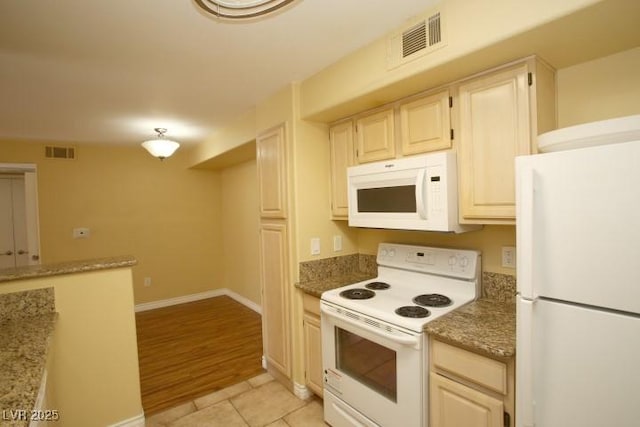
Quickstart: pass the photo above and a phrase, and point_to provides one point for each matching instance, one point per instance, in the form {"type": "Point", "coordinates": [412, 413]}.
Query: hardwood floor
{"type": "Point", "coordinates": [189, 350]}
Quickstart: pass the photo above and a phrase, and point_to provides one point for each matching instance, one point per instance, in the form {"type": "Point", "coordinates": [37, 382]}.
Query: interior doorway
{"type": "Point", "coordinates": [19, 225]}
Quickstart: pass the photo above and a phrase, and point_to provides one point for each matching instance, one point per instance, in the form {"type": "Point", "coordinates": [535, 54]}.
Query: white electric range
{"type": "Point", "coordinates": [374, 349]}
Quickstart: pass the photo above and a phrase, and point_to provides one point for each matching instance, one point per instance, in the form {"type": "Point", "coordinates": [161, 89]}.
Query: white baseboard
{"type": "Point", "coordinates": [242, 300]}
{"type": "Point", "coordinates": [197, 297]}
{"type": "Point", "coordinates": [301, 391]}
{"type": "Point", "coordinates": [137, 421]}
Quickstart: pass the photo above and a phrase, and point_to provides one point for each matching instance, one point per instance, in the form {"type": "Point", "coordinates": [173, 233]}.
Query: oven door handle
{"type": "Point", "coordinates": [411, 341]}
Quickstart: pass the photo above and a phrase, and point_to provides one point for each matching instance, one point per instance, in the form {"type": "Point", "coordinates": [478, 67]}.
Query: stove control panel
{"type": "Point", "coordinates": [448, 262]}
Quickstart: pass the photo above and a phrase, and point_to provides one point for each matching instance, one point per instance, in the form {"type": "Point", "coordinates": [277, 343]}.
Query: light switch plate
{"type": "Point", "coordinates": [337, 243]}
{"type": "Point", "coordinates": [509, 256]}
{"type": "Point", "coordinates": [315, 246]}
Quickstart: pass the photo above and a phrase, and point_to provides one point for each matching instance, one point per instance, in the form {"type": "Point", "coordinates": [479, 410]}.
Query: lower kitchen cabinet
{"type": "Point", "coordinates": [468, 389]}
{"type": "Point", "coordinates": [454, 405]}
{"type": "Point", "coordinates": [312, 344]}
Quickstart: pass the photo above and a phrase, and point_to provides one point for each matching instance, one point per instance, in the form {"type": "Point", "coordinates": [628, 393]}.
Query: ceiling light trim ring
{"type": "Point", "coordinates": [241, 9]}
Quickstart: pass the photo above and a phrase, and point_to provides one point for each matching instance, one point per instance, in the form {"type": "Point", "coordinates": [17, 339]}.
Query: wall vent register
{"type": "Point", "coordinates": [56, 152]}
{"type": "Point", "coordinates": [422, 36]}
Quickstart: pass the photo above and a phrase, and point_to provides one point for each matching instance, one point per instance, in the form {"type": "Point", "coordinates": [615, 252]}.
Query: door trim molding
{"type": "Point", "coordinates": [17, 167]}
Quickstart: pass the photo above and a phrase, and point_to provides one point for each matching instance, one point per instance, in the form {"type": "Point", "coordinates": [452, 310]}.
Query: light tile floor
{"type": "Point", "coordinates": [257, 402]}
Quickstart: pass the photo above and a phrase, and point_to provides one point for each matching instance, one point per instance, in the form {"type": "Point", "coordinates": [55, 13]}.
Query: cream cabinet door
{"type": "Point", "coordinates": [376, 137]}
{"type": "Point", "coordinates": [494, 129]}
{"type": "Point", "coordinates": [456, 405]}
{"type": "Point", "coordinates": [275, 298]}
{"type": "Point", "coordinates": [272, 176]}
{"type": "Point", "coordinates": [341, 148]}
{"type": "Point", "coordinates": [425, 124]}
{"type": "Point", "coordinates": [313, 353]}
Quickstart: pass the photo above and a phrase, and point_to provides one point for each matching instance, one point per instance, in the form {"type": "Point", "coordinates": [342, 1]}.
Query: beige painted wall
{"type": "Point", "coordinates": [95, 376]}
{"type": "Point", "coordinates": [313, 196]}
{"type": "Point", "coordinates": [469, 27]}
{"type": "Point", "coordinates": [489, 241]}
{"type": "Point", "coordinates": [600, 89]}
{"type": "Point", "coordinates": [240, 131]}
{"type": "Point", "coordinates": [240, 224]}
{"type": "Point", "coordinates": [164, 214]}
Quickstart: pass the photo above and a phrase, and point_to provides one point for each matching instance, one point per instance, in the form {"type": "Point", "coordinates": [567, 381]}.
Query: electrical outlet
{"type": "Point", "coordinates": [509, 256]}
{"type": "Point", "coordinates": [147, 281]}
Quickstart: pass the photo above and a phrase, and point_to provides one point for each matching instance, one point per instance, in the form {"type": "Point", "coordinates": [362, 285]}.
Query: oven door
{"type": "Point", "coordinates": [373, 373]}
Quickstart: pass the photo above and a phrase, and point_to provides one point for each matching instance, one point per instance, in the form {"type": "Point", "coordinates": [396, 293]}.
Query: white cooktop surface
{"type": "Point", "coordinates": [407, 284]}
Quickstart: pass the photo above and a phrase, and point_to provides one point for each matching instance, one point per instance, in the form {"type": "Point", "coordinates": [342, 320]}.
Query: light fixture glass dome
{"type": "Point", "coordinates": [161, 147]}
{"type": "Point", "coordinates": [241, 9]}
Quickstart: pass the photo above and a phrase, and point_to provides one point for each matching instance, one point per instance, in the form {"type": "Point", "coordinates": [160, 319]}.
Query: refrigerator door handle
{"type": "Point", "coordinates": [524, 368]}
{"type": "Point", "coordinates": [525, 223]}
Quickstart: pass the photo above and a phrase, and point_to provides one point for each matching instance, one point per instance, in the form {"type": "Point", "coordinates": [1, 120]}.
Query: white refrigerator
{"type": "Point", "coordinates": [578, 303]}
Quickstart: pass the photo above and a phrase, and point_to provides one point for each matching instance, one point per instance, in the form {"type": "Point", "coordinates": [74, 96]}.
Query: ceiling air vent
{"type": "Point", "coordinates": [414, 39]}
{"type": "Point", "coordinates": [53, 152]}
{"type": "Point", "coordinates": [422, 37]}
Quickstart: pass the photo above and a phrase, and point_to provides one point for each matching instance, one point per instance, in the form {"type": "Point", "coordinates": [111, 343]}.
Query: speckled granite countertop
{"type": "Point", "coordinates": [324, 274]}
{"type": "Point", "coordinates": [485, 326]}
{"type": "Point", "coordinates": [317, 287]}
{"type": "Point", "coordinates": [27, 321]}
{"type": "Point", "coordinates": [24, 346]}
{"type": "Point", "coordinates": [34, 271]}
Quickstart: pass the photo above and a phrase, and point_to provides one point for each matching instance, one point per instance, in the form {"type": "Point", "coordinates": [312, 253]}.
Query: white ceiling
{"type": "Point", "coordinates": [111, 71]}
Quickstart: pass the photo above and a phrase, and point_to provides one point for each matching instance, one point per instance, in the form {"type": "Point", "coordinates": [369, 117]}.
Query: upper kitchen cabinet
{"type": "Point", "coordinates": [375, 136]}
{"type": "Point", "coordinates": [425, 124]}
{"type": "Point", "coordinates": [272, 177]}
{"type": "Point", "coordinates": [342, 156]}
{"type": "Point", "coordinates": [500, 114]}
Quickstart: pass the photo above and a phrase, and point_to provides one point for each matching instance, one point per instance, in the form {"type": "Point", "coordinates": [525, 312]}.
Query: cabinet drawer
{"type": "Point", "coordinates": [311, 304]}
{"type": "Point", "coordinates": [481, 370]}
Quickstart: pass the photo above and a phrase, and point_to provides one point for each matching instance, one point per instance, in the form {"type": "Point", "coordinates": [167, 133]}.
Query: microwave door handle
{"type": "Point", "coordinates": [421, 199]}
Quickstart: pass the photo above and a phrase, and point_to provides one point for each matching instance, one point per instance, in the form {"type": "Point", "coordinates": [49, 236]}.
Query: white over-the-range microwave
{"type": "Point", "coordinates": [411, 193]}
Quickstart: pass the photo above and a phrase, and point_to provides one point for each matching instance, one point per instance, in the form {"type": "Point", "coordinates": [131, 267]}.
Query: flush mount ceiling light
{"type": "Point", "coordinates": [241, 9]}
{"type": "Point", "coordinates": [161, 147]}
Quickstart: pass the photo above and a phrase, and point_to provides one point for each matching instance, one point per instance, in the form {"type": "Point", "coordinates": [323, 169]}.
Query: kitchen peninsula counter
{"type": "Point", "coordinates": [70, 267]}
{"type": "Point", "coordinates": [27, 324]}
{"type": "Point", "coordinates": [24, 351]}
{"type": "Point", "coordinates": [32, 300]}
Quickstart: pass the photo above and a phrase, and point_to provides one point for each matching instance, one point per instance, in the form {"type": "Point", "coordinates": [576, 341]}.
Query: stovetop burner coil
{"type": "Point", "coordinates": [377, 286]}
{"type": "Point", "coordinates": [412, 311]}
{"type": "Point", "coordinates": [357, 293]}
{"type": "Point", "coordinates": [433, 300]}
